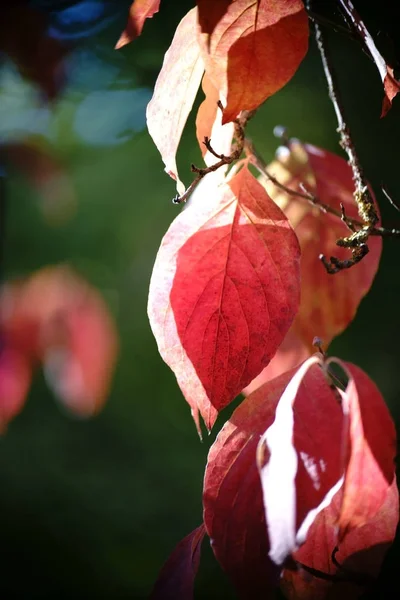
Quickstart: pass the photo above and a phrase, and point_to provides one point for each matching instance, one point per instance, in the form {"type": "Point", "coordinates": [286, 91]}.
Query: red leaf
{"type": "Point", "coordinates": [56, 317]}
{"type": "Point", "coordinates": [300, 471]}
{"type": "Point", "coordinates": [392, 88]}
{"type": "Point", "coordinates": [300, 474]}
{"type": "Point", "coordinates": [360, 555]}
{"type": "Point", "coordinates": [209, 124]}
{"type": "Point", "coordinates": [232, 497]}
{"type": "Point", "coordinates": [15, 379]}
{"type": "Point", "coordinates": [176, 578]}
{"type": "Point", "coordinates": [328, 303]}
{"type": "Point", "coordinates": [174, 93]}
{"type": "Point", "coordinates": [371, 453]}
{"type": "Point", "coordinates": [290, 353]}
{"type": "Point", "coordinates": [224, 292]}
{"type": "Point", "coordinates": [139, 11]}
{"type": "Point", "coordinates": [251, 49]}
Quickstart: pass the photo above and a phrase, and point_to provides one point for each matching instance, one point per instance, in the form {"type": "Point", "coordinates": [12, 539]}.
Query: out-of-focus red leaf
{"type": "Point", "coordinates": [56, 317]}
{"type": "Point", "coordinates": [232, 497]}
{"type": "Point", "coordinates": [392, 88]}
{"type": "Point", "coordinates": [176, 578]}
{"type": "Point", "coordinates": [174, 93]}
{"type": "Point", "coordinates": [360, 554]}
{"type": "Point", "coordinates": [139, 11]}
{"type": "Point", "coordinates": [371, 453]}
{"type": "Point", "coordinates": [15, 379]}
{"type": "Point", "coordinates": [251, 49]}
{"type": "Point", "coordinates": [224, 291]}
{"type": "Point", "coordinates": [290, 353]}
{"type": "Point", "coordinates": [24, 38]}
{"type": "Point", "coordinates": [328, 303]}
{"type": "Point", "coordinates": [299, 458]}
{"type": "Point", "coordinates": [209, 124]}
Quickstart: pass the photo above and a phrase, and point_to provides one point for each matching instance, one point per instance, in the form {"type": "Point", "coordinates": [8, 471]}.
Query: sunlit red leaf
{"type": "Point", "coordinates": [224, 291]}
{"type": "Point", "coordinates": [174, 93]}
{"type": "Point", "coordinates": [391, 87]}
{"type": "Point", "coordinates": [251, 49]}
{"type": "Point", "coordinates": [290, 353]}
{"type": "Point", "coordinates": [301, 473]}
{"type": "Point", "coordinates": [360, 555]}
{"type": "Point", "coordinates": [15, 379]}
{"type": "Point", "coordinates": [209, 124]}
{"type": "Point", "coordinates": [232, 497]}
{"type": "Point", "coordinates": [371, 453]}
{"type": "Point", "coordinates": [139, 11]}
{"type": "Point", "coordinates": [328, 303]}
{"type": "Point", "coordinates": [176, 578]}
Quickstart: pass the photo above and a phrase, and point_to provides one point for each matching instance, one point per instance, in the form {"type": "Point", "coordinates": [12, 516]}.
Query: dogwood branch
{"type": "Point", "coordinates": [239, 137]}
{"type": "Point", "coordinates": [362, 196]}
{"type": "Point", "coordinates": [304, 194]}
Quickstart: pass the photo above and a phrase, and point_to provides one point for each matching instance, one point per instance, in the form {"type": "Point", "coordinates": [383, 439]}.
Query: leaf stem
{"type": "Point", "coordinates": [237, 149]}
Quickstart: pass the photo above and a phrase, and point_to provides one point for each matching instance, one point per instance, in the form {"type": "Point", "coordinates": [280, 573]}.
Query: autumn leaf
{"type": "Point", "coordinates": [328, 303]}
{"type": "Point", "coordinates": [391, 87]}
{"type": "Point", "coordinates": [15, 380]}
{"type": "Point", "coordinates": [176, 578]}
{"type": "Point", "coordinates": [232, 498]}
{"type": "Point", "coordinates": [251, 49]}
{"type": "Point", "coordinates": [139, 11]}
{"type": "Point", "coordinates": [209, 124]}
{"type": "Point", "coordinates": [223, 293]}
{"type": "Point", "coordinates": [56, 318]}
{"type": "Point", "coordinates": [358, 560]}
{"type": "Point", "coordinates": [353, 452]}
{"type": "Point", "coordinates": [174, 93]}
{"type": "Point", "coordinates": [290, 353]}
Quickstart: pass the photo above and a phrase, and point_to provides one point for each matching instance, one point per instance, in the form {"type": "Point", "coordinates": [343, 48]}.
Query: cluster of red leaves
{"type": "Point", "coordinates": [300, 482]}
{"type": "Point", "coordinates": [56, 318]}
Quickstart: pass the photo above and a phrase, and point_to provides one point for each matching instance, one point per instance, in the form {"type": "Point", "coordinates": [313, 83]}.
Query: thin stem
{"type": "Point", "coordinates": [313, 199]}
{"type": "Point", "coordinates": [237, 149]}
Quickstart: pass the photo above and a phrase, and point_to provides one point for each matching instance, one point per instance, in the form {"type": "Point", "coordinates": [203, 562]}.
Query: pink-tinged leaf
{"type": "Point", "coordinates": [57, 318]}
{"type": "Point", "coordinates": [371, 450]}
{"type": "Point", "coordinates": [224, 291]}
{"type": "Point", "coordinates": [232, 496]}
{"type": "Point", "coordinates": [209, 124]}
{"type": "Point", "coordinates": [352, 449]}
{"type": "Point", "coordinates": [358, 559]}
{"type": "Point", "coordinates": [290, 353]}
{"type": "Point", "coordinates": [176, 578]}
{"type": "Point", "coordinates": [251, 49]}
{"type": "Point", "coordinates": [299, 458]}
{"type": "Point", "coordinates": [328, 303]}
{"type": "Point", "coordinates": [139, 11]}
{"type": "Point", "coordinates": [15, 379]}
{"type": "Point", "coordinates": [174, 93]}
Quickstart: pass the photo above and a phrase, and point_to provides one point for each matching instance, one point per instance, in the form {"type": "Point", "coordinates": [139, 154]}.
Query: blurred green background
{"type": "Point", "coordinates": [93, 508]}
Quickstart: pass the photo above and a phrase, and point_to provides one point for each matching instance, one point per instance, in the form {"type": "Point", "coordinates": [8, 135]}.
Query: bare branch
{"type": "Point", "coordinates": [237, 149]}
{"type": "Point", "coordinates": [304, 194]}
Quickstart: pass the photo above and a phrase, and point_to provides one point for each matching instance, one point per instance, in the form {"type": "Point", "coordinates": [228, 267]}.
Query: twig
{"type": "Point", "coordinates": [366, 37]}
{"type": "Point", "coordinates": [389, 197]}
{"type": "Point", "coordinates": [240, 124]}
{"type": "Point", "coordinates": [311, 198]}
{"type": "Point", "coordinates": [362, 196]}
